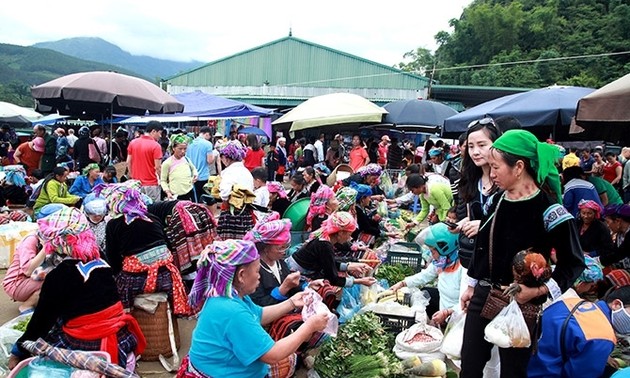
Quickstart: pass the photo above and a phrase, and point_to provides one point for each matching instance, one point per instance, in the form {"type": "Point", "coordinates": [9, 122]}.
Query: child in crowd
{"type": "Point", "coordinates": [260, 187]}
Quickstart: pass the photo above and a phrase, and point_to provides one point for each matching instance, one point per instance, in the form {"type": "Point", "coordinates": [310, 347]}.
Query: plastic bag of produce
{"type": "Point", "coordinates": [10, 332]}
{"type": "Point", "coordinates": [454, 336]}
{"type": "Point", "coordinates": [313, 305]}
{"type": "Point", "coordinates": [387, 186]}
{"type": "Point", "coordinates": [350, 303]}
{"type": "Point", "coordinates": [508, 329]}
{"type": "Point", "coordinates": [420, 338]}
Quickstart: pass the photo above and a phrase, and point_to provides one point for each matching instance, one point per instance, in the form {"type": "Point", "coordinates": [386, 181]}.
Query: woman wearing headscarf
{"type": "Point", "coordinates": [83, 185]}
{"type": "Point", "coordinates": [136, 248]}
{"type": "Point", "coordinates": [13, 189]}
{"type": "Point", "coordinates": [278, 200]}
{"type": "Point", "coordinates": [79, 307]}
{"type": "Point", "coordinates": [367, 175]}
{"type": "Point", "coordinates": [368, 228]}
{"type": "Point", "coordinates": [323, 203]}
{"type": "Point", "coordinates": [316, 258]}
{"type": "Point", "coordinates": [347, 198]}
{"type": "Point", "coordinates": [595, 236]}
{"type": "Point", "coordinates": [178, 172]}
{"type": "Point", "coordinates": [527, 215]}
{"type": "Point", "coordinates": [618, 220]}
{"type": "Point", "coordinates": [95, 209]}
{"type": "Point", "coordinates": [227, 276]}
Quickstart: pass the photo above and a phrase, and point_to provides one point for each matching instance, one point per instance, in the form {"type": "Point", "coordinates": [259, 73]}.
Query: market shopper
{"type": "Point", "coordinates": [144, 159]}
{"type": "Point", "coordinates": [228, 275]}
{"type": "Point", "coordinates": [595, 236]}
{"type": "Point", "coordinates": [316, 258]}
{"type": "Point", "coordinates": [79, 307]}
{"type": "Point", "coordinates": [178, 174]}
{"type": "Point", "coordinates": [527, 215]}
{"type": "Point", "coordinates": [432, 190]}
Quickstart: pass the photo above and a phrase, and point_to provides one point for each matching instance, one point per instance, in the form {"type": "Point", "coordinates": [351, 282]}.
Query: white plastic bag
{"type": "Point", "coordinates": [454, 336]}
{"type": "Point", "coordinates": [508, 329]}
{"type": "Point", "coordinates": [313, 305]}
{"type": "Point", "coordinates": [420, 338]}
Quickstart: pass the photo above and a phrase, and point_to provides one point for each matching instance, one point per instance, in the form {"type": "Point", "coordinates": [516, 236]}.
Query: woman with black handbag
{"type": "Point", "coordinates": [526, 215]}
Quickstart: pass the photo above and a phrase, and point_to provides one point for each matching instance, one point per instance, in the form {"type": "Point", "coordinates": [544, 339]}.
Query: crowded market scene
{"type": "Point", "coordinates": [391, 227]}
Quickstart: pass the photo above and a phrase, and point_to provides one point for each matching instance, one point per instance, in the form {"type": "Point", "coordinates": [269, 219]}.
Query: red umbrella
{"type": "Point", "coordinates": [104, 93]}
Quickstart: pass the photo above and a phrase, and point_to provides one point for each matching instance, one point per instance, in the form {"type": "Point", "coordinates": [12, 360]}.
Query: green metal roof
{"type": "Point", "coordinates": [295, 62]}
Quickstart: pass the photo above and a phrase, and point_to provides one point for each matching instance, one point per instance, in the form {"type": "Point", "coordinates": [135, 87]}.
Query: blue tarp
{"type": "Point", "coordinates": [199, 104]}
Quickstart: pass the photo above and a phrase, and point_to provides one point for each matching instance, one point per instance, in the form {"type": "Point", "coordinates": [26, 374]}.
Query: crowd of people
{"type": "Point", "coordinates": [202, 218]}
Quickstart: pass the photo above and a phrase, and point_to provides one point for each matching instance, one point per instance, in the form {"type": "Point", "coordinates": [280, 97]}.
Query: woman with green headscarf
{"type": "Point", "coordinates": [84, 184]}
{"type": "Point", "coordinates": [178, 172]}
{"type": "Point", "coordinates": [526, 215]}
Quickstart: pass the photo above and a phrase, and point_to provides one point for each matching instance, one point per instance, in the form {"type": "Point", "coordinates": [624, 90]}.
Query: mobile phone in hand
{"type": "Point", "coordinates": [450, 224]}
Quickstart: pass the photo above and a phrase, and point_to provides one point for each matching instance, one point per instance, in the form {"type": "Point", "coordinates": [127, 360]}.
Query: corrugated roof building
{"type": "Point", "coordinates": [290, 70]}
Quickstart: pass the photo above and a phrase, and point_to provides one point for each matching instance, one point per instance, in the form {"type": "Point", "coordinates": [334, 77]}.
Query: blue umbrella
{"type": "Point", "coordinates": [543, 111]}
{"type": "Point", "coordinates": [253, 130]}
{"type": "Point", "coordinates": [417, 115]}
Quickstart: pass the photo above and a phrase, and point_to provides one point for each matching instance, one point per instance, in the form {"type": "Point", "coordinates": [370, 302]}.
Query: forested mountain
{"type": "Point", "coordinates": [22, 67]}
{"type": "Point", "coordinates": [99, 50]}
{"type": "Point", "coordinates": [499, 32]}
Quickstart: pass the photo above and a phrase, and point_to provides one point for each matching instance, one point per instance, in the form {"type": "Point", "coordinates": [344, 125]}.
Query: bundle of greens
{"type": "Point", "coordinates": [394, 273]}
{"type": "Point", "coordinates": [22, 324]}
{"type": "Point", "coordinates": [361, 349]}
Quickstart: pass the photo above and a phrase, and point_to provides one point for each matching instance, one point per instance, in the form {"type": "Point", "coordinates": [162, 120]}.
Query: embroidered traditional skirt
{"type": "Point", "coordinates": [235, 226]}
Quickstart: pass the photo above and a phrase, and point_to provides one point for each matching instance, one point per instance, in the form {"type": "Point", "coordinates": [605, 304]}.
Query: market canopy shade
{"type": "Point", "coordinates": [17, 116]}
{"type": "Point", "coordinates": [417, 115]}
{"type": "Point", "coordinates": [332, 109]}
{"type": "Point", "coordinates": [542, 111]}
{"type": "Point", "coordinates": [202, 104]}
{"type": "Point", "coordinates": [100, 93]}
{"type": "Point", "coordinates": [605, 113]}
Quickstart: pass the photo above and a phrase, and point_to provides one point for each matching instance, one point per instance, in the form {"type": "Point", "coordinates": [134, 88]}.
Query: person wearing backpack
{"type": "Point", "coordinates": [85, 149]}
{"type": "Point", "coordinates": [178, 172]}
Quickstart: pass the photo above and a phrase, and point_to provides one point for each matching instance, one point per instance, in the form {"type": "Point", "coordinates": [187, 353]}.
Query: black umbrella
{"type": "Point", "coordinates": [417, 115]}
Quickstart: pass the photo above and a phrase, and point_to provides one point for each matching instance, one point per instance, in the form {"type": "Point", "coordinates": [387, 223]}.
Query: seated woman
{"type": "Point", "coordinates": [83, 184]}
{"type": "Point", "coordinates": [445, 267]}
{"type": "Point", "coordinates": [298, 188]}
{"type": "Point", "coordinates": [347, 198]}
{"type": "Point", "coordinates": [311, 180]}
{"type": "Point", "coordinates": [228, 274]}
{"type": "Point", "coordinates": [595, 236]}
{"type": "Point", "coordinates": [136, 248]}
{"type": "Point", "coordinates": [316, 258]}
{"type": "Point", "coordinates": [18, 282]}
{"type": "Point", "coordinates": [323, 203]}
{"type": "Point", "coordinates": [368, 229]}
{"type": "Point", "coordinates": [13, 189]}
{"type": "Point", "coordinates": [367, 175]}
{"type": "Point", "coordinates": [91, 318]}
{"type": "Point", "coordinates": [95, 209]}
{"type": "Point", "coordinates": [55, 190]}
{"type": "Point", "coordinates": [109, 175]}
{"type": "Point", "coordinates": [278, 201]}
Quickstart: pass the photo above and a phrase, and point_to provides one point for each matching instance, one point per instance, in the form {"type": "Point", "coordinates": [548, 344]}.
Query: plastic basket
{"type": "Point", "coordinates": [396, 323]}
{"type": "Point", "coordinates": [410, 258]}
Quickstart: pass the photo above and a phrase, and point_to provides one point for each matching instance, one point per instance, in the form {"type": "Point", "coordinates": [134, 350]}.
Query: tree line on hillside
{"type": "Point", "coordinates": [498, 32]}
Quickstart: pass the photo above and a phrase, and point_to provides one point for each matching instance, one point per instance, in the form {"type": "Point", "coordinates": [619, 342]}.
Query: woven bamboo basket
{"type": "Point", "coordinates": [155, 330]}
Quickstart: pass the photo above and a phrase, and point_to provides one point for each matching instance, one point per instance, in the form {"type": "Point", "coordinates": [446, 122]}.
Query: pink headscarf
{"type": "Point", "coordinates": [276, 187]}
{"type": "Point", "coordinates": [339, 221]}
{"type": "Point", "coordinates": [592, 205]}
{"type": "Point", "coordinates": [319, 199]}
{"type": "Point", "coordinates": [67, 232]}
{"type": "Point", "coordinates": [274, 231]}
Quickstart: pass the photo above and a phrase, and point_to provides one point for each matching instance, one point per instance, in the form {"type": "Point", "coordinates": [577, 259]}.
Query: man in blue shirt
{"type": "Point", "coordinates": [200, 154]}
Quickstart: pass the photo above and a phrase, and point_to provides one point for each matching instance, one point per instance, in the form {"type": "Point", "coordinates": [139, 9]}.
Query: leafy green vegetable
{"type": "Point", "coordinates": [22, 324]}
{"type": "Point", "coordinates": [361, 349]}
{"type": "Point", "coordinates": [394, 273]}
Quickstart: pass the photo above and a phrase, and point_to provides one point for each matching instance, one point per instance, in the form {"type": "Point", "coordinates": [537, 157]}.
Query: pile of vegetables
{"type": "Point", "coordinates": [394, 273]}
{"type": "Point", "coordinates": [361, 350]}
{"type": "Point", "coordinates": [22, 324]}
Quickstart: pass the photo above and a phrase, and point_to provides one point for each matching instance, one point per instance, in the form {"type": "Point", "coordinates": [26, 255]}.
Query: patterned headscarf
{"type": "Point", "coordinates": [176, 139]}
{"type": "Point", "coordinates": [371, 169]}
{"type": "Point", "coordinates": [233, 150]}
{"type": "Point", "coordinates": [338, 221]}
{"type": "Point", "coordinates": [347, 197]}
{"type": "Point", "coordinates": [273, 231]}
{"type": "Point", "coordinates": [319, 199]}
{"type": "Point", "coordinates": [216, 268]}
{"type": "Point", "coordinates": [15, 175]}
{"type": "Point", "coordinates": [619, 278]}
{"type": "Point", "coordinates": [67, 232]}
{"type": "Point", "coordinates": [89, 167]}
{"type": "Point", "coordinates": [276, 187]}
{"type": "Point", "coordinates": [542, 156]}
{"type": "Point", "coordinates": [124, 199]}
{"type": "Point", "coordinates": [592, 273]}
{"type": "Point", "coordinates": [362, 190]}
{"type": "Point", "coordinates": [592, 205]}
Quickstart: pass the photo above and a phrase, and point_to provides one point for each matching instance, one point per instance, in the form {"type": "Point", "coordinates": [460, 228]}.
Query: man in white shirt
{"type": "Point", "coordinates": [71, 138]}
{"type": "Point", "coordinates": [319, 148]}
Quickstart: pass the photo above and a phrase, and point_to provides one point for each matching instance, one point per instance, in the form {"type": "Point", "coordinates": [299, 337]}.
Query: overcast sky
{"type": "Point", "coordinates": [381, 31]}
